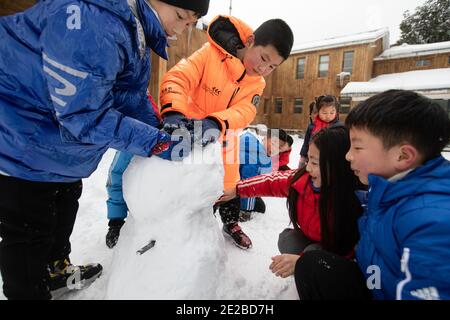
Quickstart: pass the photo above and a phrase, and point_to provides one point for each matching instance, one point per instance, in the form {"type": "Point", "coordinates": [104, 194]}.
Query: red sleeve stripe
{"type": "Point", "coordinates": [278, 175]}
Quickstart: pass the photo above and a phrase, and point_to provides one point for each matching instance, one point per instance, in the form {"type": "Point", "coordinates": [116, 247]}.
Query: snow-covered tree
{"type": "Point", "coordinates": [428, 24]}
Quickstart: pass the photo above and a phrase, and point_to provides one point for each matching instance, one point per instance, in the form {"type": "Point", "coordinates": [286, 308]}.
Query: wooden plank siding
{"type": "Point", "coordinates": [8, 7]}
{"type": "Point", "coordinates": [283, 83]}
{"type": "Point", "coordinates": [183, 47]}
{"type": "Point", "coordinates": [409, 64]}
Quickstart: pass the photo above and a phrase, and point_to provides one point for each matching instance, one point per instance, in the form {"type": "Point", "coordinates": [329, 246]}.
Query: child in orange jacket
{"type": "Point", "coordinates": [221, 84]}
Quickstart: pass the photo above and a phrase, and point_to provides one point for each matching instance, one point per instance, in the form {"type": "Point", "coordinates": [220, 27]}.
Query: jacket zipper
{"type": "Point", "coordinates": [232, 97]}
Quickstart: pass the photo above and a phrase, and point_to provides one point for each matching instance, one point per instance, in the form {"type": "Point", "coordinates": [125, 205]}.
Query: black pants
{"type": "Point", "coordinates": [294, 241]}
{"type": "Point", "coordinates": [321, 275]}
{"type": "Point", "coordinates": [36, 221]}
{"type": "Point", "coordinates": [229, 211]}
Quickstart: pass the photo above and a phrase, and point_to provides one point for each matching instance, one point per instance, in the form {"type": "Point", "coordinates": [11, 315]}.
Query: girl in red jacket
{"type": "Point", "coordinates": [323, 207]}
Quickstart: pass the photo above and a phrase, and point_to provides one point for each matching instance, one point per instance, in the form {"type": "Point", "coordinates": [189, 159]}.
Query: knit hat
{"type": "Point", "coordinates": [199, 6]}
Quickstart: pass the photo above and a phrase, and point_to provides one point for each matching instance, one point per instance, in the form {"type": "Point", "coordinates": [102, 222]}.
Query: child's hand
{"type": "Point", "coordinates": [284, 265]}
{"type": "Point", "coordinates": [227, 195]}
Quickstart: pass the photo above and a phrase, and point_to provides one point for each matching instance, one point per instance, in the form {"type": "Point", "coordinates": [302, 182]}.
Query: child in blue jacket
{"type": "Point", "coordinates": [73, 83]}
{"type": "Point", "coordinates": [254, 160]}
{"type": "Point", "coordinates": [403, 253]}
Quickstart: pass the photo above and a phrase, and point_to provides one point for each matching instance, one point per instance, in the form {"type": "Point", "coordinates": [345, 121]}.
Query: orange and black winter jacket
{"type": "Point", "coordinates": [212, 82]}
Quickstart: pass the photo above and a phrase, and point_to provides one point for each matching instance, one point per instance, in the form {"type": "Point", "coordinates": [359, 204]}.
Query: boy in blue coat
{"type": "Point", "coordinates": [403, 253]}
{"type": "Point", "coordinates": [73, 83]}
{"type": "Point", "coordinates": [254, 160]}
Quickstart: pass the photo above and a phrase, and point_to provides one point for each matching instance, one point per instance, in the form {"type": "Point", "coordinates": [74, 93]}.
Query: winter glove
{"type": "Point", "coordinates": [163, 144]}
{"type": "Point", "coordinates": [174, 146]}
{"type": "Point", "coordinates": [174, 120]}
{"type": "Point", "coordinates": [210, 131]}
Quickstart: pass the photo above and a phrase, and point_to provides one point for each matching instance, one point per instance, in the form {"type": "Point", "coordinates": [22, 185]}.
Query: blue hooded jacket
{"type": "Point", "coordinates": [73, 83]}
{"type": "Point", "coordinates": [405, 234]}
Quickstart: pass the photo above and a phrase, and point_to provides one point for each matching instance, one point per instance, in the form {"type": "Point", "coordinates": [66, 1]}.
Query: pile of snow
{"type": "Point", "coordinates": [245, 274]}
{"type": "Point", "coordinates": [421, 80]}
{"type": "Point", "coordinates": [170, 202]}
{"type": "Point", "coordinates": [416, 50]}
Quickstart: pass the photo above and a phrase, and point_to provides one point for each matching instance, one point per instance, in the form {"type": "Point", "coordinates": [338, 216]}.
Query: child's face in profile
{"type": "Point", "coordinates": [327, 113]}
{"type": "Point", "coordinates": [313, 166]}
{"type": "Point", "coordinates": [261, 60]}
{"type": "Point", "coordinates": [175, 20]}
{"type": "Point", "coordinates": [367, 155]}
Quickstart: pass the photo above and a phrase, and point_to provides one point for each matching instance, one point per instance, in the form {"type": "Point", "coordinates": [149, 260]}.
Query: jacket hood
{"type": "Point", "coordinates": [432, 177]}
{"type": "Point", "coordinates": [228, 34]}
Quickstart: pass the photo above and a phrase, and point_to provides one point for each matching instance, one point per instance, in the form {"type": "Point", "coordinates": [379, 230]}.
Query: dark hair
{"type": "Point", "coordinates": [285, 137]}
{"type": "Point", "coordinates": [277, 33]}
{"type": "Point", "coordinates": [326, 100]}
{"type": "Point", "coordinates": [400, 116]}
{"type": "Point", "coordinates": [290, 140]}
{"type": "Point", "coordinates": [339, 207]}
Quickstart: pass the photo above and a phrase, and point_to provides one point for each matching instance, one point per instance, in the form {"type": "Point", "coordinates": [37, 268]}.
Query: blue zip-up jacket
{"type": "Point", "coordinates": [73, 83]}
{"type": "Point", "coordinates": [405, 232]}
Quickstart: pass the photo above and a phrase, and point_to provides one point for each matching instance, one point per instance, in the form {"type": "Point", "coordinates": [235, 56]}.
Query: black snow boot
{"type": "Point", "coordinates": [113, 232]}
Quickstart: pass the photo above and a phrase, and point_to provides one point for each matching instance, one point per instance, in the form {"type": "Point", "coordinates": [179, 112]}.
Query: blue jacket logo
{"type": "Point", "coordinates": [74, 20]}
{"type": "Point", "coordinates": [69, 89]}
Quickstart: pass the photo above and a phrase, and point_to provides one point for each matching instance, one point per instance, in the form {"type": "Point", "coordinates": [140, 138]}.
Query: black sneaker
{"type": "Point", "coordinates": [65, 277]}
{"type": "Point", "coordinates": [113, 232]}
{"type": "Point", "coordinates": [240, 239]}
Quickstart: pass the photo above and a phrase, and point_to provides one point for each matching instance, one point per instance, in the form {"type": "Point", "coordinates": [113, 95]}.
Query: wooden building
{"type": "Point", "coordinates": [8, 7]}
{"type": "Point", "coordinates": [314, 69]}
{"type": "Point", "coordinates": [422, 68]}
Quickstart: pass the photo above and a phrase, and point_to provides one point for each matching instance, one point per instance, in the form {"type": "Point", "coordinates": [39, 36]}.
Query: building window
{"type": "Point", "coordinates": [266, 106]}
{"type": "Point", "coordinates": [298, 105]}
{"type": "Point", "coordinates": [423, 63]}
{"type": "Point", "coordinates": [345, 105]}
{"type": "Point", "coordinates": [278, 105]}
{"type": "Point", "coordinates": [347, 64]}
{"type": "Point", "coordinates": [323, 66]}
{"type": "Point", "coordinates": [300, 74]}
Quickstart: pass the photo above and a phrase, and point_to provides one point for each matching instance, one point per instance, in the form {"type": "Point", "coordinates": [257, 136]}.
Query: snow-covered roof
{"type": "Point", "coordinates": [406, 50]}
{"type": "Point", "coordinates": [421, 80]}
{"type": "Point", "coordinates": [336, 42]}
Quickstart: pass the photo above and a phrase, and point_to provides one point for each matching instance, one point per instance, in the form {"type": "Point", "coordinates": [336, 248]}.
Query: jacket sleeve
{"type": "Point", "coordinates": [275, 184]}
{"type": "Point", "coordinates": [178, 82]}
{"type": "Point", "coordinates": [242, 111]}
{"type": "Point", "coordinates": [80, 81]}
{"type": "Point", "coordinates": [305, 147]}
{"type": "Point", "coordinates": [423, 235]}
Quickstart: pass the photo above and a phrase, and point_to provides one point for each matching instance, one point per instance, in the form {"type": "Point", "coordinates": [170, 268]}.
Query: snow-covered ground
{"type": "Point", "coordinates": [246, 274]}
